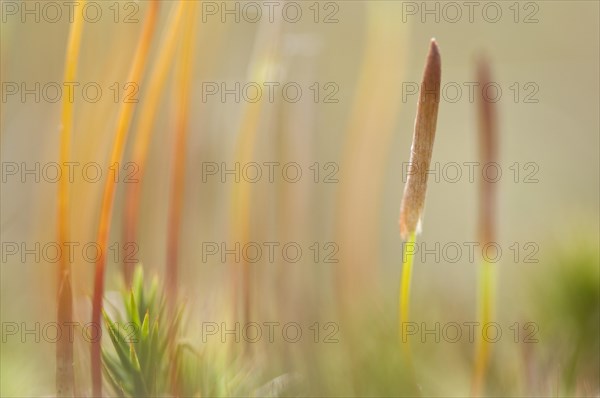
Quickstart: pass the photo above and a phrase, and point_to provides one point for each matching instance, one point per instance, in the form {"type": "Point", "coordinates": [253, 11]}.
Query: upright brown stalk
{"type": "Point", "coordinates": [183, 89]}
{"type": "Point", "coordinates": [488, 149]}
{"type": "Point", "coordinates": [126, 112]}
{"type": "Point", "coordinates": [145, 124]}
{"type": "Point", "coordinates": [184, 78]}
{"type": "Point", "coordinates": [64, 346]}
{"type": "Point", "coordinates": [413, 200]}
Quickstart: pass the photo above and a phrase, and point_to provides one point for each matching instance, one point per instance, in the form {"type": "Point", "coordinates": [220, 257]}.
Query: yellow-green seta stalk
{"type": "Point", "coordinates": [407, 265]}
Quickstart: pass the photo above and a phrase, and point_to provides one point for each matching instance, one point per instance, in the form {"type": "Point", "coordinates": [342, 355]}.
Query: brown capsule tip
{"type": "Point", "coordinates": [413, 200]}
{"type": "Point", "coordinates": [434, 60]}
{"type": "Point", "coordinates": [433, 47]}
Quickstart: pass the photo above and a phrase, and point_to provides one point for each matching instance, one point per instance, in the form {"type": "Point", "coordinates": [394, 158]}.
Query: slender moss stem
{"type": "Point", "coordinates": [485, 311]}
{"type": "Point", "coordinates": [413, 199]}
{"type": "Point", "coordinates": [125, 115]}
{"type": "Point", "coordinates": [64, 348]}
{"type": "Point", "coordinates": [404, 297]}
{"type": "Point", "coordinates": [488, 148]}
{"type": "Point", "coordinates": [184, 84]}
{"type": "Point", "coordinates": [143, 131]}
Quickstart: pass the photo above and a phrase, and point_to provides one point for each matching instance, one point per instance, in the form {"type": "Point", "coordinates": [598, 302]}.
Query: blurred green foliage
{"type": "Point", "coordinates": [146, 353]}
{"type": "Point", "coordinates": [568, 301]}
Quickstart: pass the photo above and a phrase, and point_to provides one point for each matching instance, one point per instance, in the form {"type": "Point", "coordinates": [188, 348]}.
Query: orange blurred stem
{"type": "Point", "coordinates": [144, 128]}
{"type": "Point", "coordinates": [178, 171]}
{"type": "Point", "coordinates": [185, 67]}
{"type": "Point", "coordinates": [124, 120]}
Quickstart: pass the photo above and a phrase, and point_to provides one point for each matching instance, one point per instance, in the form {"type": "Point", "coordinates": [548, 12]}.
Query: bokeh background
{"type": "Point", "coordinates": [550, 50]}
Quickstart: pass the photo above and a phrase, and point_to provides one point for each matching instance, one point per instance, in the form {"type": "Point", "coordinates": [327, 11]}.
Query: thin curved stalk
{"type": "Point", "coordinates": [144, 128]}
{"type": "Point", "coordinates": [488, 148]}
{"type": "Point", "coordinates": [184, 80]}
{"type": "Point", "coordinates": [64, 348]}
{"type": "Point", "coordinates": [183, 83]}
{"type": "Point", "coordinates": [126, 112]}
